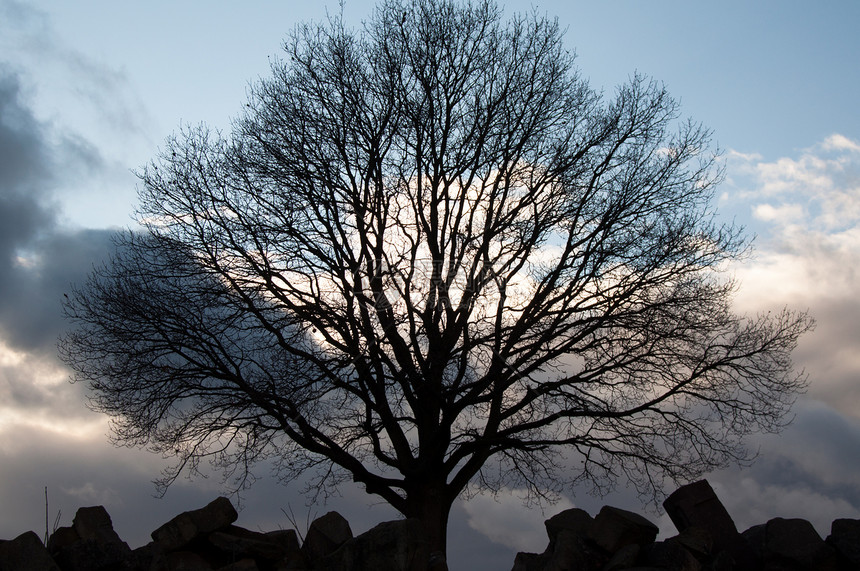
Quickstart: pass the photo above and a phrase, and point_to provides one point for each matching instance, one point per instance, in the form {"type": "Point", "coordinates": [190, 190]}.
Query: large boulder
{"type": "Point", "coordinates": [696, 505]}
{"type": "Point", "coordinates": [845, 538]}
{"type": "Point", "coordinates": [90, 544]}
{"type": "Point", "coordinates": [569, 546]}
{"type": "Point", "coordinates": [613, 528]}
{"type": "Point", "coordinates": [399, 545]}
{"type": "Point", "coordinates": [187, 561]}
{"type": "Point", "coordinates": [238, 543]}
{"type": "Point", "coordinates": [671, 556]}
{"type": "Point", "coordinates": [325, 535]}
{"type": "Point", "coordinates": [191, 525]}
{"type": "Point", "coordinates": [573, 521]}
{"type": "Point", "coordinates": [791, 544]}
{"type": "Point", "coordinates": [698, 541]}
{"type": "Point", "coordinates": [241, 565]}
{"type": "Point", "coordinates": [26, 553]}
{"type": "Point", "coordinates": [288, 541]}
{"type": "Point", "coordinates": [624, 558]}
{"type": "Point", "coordinates": [149, 557]}
{"type": "Point", "coordinates": [529, 561]}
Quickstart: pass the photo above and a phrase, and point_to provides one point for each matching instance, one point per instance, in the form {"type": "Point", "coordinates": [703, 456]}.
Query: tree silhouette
{"type": "Point", "coordinates": [429, 258]}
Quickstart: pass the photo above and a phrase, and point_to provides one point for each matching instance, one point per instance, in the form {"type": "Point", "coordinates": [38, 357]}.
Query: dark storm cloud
{"type": "Point", "coordinates": [37, 262]}
{"type": "Point", "coordinates": [25, 170]}
{"type": "Point", "coordinates": [808, 471]}
{"type": "Point", "coordinates": [31, 311]}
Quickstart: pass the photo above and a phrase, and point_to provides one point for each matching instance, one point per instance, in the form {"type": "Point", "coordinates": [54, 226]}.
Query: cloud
{"type": "Point", "coordinates": [839, 142]}
{"type": "Point", "coordinates": [809, 471]}
{"type": "Point", "coordinates": [38, 259]}
{"type": "Point", "coordinates": [102, 96]}
{"type": "Point", "coordinates": [807, 211]}
{"type": "Point", "coordinates": [503, 519]}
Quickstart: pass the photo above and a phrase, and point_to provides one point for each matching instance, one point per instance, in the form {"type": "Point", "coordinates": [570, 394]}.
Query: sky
{"type": "Point", "coordinates": [90, 89]}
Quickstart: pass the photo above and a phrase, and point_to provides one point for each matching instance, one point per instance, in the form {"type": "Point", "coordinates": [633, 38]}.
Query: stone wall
{"type": "Point", "coordinates": [613, 540]}
{"type": "Point", "coordinates": [707, 540]}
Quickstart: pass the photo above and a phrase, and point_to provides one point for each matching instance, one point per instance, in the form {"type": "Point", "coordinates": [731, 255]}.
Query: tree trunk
{"type": "Point", "coordinates": [432, 504]}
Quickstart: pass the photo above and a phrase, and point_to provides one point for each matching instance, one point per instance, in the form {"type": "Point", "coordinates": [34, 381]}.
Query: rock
{"type": "Point", "coordinates": [696, 540]}
{"type": "Point", "coordinates": [187, 561]}
{"type": "Point", "coordinates": [325, 535]}
{"type": "Point", "coordinates": [394, 546]}
{"type": "Point", "coordinates": [289, 541]}
{"type": "Point", "coordinates": [26, 553]}
{"type": "Point", "coordinates": [672, 556]}
{"type": "Point", "coordinates": [613, 528]}
{"type": "Point", "coordinates": [94, 524]}
{"type": "Point", "coordinates": [575, 520]}
{"type": "Point", "coordinates": [845, 538]}
{"type": "Point", "coordinates": [697, 505]}
{"type": "Point", "coordinates": [241, 565]}
{"type": "Point", "coordinates": [239, 543]}
{"type": "Point", "coordinates": [150, 557]}
{"type": "Point", "coordinates": [723, 561]}
{"type": "Point", "coordinates": [624, 558]}
{"type": "Point", "coordinates": [572, 550]}
{"type": "Point", "coordinates": [61, 538]}
{"type": "Point", "coordinates": [91, 544]}
{"type": "Point", "coordinates": [287, 538]}
{"type": "Point", "coordinates": [791, 544]}
{"type": "Point", "coordinates": [437, 562]}
{"type": "Point", "coordinates": [529, 562]}
{"type": "Point", "coordinates": [188, 526]}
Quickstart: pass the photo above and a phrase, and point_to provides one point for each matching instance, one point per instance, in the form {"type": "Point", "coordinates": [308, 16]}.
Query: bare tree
{"type": "Point", "coordinates": [430, 258]}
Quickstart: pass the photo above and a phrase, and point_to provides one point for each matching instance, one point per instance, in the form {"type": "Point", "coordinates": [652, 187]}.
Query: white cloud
{"type": "Point", "coordinates": [784, 213]}
{"type": "Point", "coordinates": [837, 142]}
{"type": "Point", "coordinates": [90, 493]}
{"type": "Point", "coordinates": [806, 210]}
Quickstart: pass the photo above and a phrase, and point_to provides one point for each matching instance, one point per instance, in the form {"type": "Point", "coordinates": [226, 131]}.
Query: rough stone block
{"type": "Point", "coordinates": [187, 561]}
{"type": "Point", "coordinates": [624, 558]}
{"type": "Point", "coordinates": [613, 528]}
{"type": "Point", "coordinates": [150, 557]}
{"type": "Point", "coordinates": [575, 520]}
{"type": "Point", "coordinates": [573, 551]}
{"type": "Point", "coordinates": [393, 545]}
{"type": "Point", "coordinates": [697, 505]}
{"type": "Point", "coordinates": [795, 542]}
{"type": "Point", "coordinates": [91, 544]}
{"type": "Point", "coordinates": [696, 540]}
{"type": "Point", "coordinates": [672, 556]}
{"type": "Point", "coordinates": [241, 565]}
{"type": "Point", "coordinates": [325, 535]}
{"type": "Point", "coordinates": [190, 525]}
{"type": "Point", "coordinates": [94, 523]}
{"type": "Point", "coordinates": [61, 538]}
{"type": "Point", "coordinates": [26, 553]}
{"type": "Point", "coordinates": [241, 543]}
{"type": "Point", "coordinates": [845, 538]}
{"type": "Point", "coordinates": [529, 562]}
{"type": "Point", "coordinates": [288, 539]}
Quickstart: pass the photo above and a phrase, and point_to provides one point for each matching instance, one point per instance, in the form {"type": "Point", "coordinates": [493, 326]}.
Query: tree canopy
{"type": "Point", "coordinates": [430, 257]}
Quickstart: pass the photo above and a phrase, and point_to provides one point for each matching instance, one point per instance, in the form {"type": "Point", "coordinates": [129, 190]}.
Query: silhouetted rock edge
{"type": "Point", "coordinates": [614, 539]}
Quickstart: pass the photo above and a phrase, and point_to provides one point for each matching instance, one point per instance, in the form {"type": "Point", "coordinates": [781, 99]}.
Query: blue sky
{"type": "Point", "coordinates": [89, 90]}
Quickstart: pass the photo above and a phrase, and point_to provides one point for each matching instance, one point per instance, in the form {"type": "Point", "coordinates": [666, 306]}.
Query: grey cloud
{"type": "Point", "coordinates": [31, 310]}
{"type": "Point", "coordinates": [830, 354]}
{"type": "Point", "coordinates": [37, 260]}
{"type": "Point", "coordinates": [808, 471]}
{"type": "Point", "coordinates": [25, 167]}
